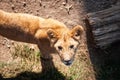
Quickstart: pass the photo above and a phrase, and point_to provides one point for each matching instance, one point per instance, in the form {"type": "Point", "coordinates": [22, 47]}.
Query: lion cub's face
{"type": "Point", "coordinates": [66, 43]}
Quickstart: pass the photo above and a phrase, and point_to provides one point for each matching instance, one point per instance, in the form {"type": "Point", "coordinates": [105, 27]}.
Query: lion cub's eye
{"type": "Point", "coordinates": [71, 46]}
{"type": "Point", "coordinates": [60, 47]}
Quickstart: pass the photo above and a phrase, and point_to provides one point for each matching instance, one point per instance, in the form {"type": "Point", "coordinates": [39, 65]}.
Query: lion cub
{"type": "Point", "coordinates": [34, 29]}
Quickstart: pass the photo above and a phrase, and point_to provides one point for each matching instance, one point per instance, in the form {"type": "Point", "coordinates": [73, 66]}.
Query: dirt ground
{"type": "Point", "coordinates": [70, 12]}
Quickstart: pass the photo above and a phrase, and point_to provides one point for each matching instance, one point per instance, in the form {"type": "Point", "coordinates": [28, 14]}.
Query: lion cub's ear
{"type": "Point", "coordinates": [77, 32]}
{"type": "Point", "coordinates": [52, 36]}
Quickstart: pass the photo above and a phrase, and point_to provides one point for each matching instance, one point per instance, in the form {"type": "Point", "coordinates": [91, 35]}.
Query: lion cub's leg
{"type": "Point", "coordinates": [46, 58]}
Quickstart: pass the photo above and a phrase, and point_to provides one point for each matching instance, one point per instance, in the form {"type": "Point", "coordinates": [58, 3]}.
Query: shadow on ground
{"type": "Point", "coordinates": [51, 74]}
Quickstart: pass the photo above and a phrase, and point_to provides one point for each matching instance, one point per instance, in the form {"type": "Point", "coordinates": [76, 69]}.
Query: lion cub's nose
{"type": "Point", "coordinates": [67, 62]}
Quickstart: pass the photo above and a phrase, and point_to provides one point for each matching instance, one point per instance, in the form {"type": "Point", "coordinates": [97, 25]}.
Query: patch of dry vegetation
{"type": "Point", "coordinates": [26, 64]}
{"type": "Point", "coordinates": [24, 59]}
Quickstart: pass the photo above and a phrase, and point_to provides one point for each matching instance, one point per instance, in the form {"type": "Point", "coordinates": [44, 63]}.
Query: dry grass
{"type": "Point", "coordinates": [24, 59]}
{"type": "Point", "coordinates": [26, 66]}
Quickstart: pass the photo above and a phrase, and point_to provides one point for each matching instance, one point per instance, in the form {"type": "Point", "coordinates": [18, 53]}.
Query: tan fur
{"type": "Point", "coordinates": [43, 32]}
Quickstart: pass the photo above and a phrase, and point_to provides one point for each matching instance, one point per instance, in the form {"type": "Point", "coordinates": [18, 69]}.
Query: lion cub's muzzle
{"type": "Point", "coordinates": [67, 60]}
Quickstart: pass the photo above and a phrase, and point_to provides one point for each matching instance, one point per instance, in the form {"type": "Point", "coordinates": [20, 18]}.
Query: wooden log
{"type": "Point", "coordinates": [105, 26]}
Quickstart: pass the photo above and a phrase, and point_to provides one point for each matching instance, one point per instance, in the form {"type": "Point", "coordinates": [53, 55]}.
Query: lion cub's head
{"type": "Point", "coordinates": [66, 42]}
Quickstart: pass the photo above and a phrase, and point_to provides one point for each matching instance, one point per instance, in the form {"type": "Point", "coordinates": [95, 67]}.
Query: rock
{"type": "Point", "coordinates": [24, 4]}
{"type": "Point", "coordinates": [13, 6]}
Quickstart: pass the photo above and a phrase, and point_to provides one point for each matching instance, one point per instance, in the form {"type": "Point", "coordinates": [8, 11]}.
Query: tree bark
{"type": "Point", "coordinates": [105, 26]}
